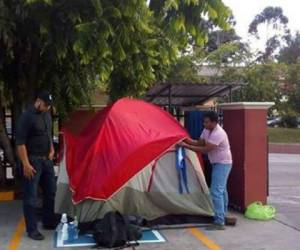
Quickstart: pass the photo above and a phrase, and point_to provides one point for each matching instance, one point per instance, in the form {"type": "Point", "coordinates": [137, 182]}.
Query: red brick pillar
{"type": "Point", "coordinates": [246, 126]}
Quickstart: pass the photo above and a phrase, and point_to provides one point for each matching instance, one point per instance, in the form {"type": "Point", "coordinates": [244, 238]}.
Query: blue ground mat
{"type": "Point", "coordinates": [149, 236]}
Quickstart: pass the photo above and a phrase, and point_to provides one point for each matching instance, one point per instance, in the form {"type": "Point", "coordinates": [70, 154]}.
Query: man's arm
{"type": "Point", "coordinates": [203, 149]}
{"type": "Point", "coordinates": [29, 170]}
{"type": "Point", "coordinates": [191, 142]}
{"type": "Point", "coordinates": [22, 153]}
{"type": "Point", "coordinates": [52, 152]}
{"type": "Point", "coordinates": [23, 128]}
{"type": "Point", "coordinates": [49, 127]}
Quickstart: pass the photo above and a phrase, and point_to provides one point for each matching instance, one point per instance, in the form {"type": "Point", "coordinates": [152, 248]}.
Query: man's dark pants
{"type": "Point", "coordinates": [44, 177]}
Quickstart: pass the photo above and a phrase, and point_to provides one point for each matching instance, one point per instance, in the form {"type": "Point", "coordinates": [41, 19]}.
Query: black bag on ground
{"type": "Point", "coordinates": [114, 230]}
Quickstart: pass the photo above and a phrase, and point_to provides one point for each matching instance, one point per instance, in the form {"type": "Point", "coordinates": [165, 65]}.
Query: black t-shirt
{"type": "Point", "coordinates": [34, 130]}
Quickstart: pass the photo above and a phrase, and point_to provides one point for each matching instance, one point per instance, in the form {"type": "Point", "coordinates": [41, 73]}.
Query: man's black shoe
{"type": "Point", "coordinates": [50, 226]}
{"type": "Point", "coordinates": [36, 235]}
{"type": "Point", "coordinates": [215, 227]}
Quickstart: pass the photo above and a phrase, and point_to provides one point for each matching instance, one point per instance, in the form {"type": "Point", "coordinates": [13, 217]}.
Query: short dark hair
{"type": "Point", "coordinates": [212, 116]}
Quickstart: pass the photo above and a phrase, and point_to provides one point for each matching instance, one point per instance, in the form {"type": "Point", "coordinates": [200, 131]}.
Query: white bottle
{"type": "Point", "coordinates": [63, 220]}
{"type": "Point", "coordinates": [64, 232]}
{"type": "Point", "coordinates": [75, 221]}
{"type": "Point", "coordinates": [76, 230]}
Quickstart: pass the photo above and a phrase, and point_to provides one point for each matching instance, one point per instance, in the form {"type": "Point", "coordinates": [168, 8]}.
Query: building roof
{"type": "Point", "coordinates": [188, 94]}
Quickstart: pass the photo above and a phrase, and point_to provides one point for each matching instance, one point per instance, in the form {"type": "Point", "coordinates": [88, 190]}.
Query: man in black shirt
{"type": "Point", "coordinates": [36, 152]}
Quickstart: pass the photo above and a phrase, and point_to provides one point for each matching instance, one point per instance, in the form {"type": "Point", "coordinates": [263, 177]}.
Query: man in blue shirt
{"type": "Point", "coordinates": [36, 152]}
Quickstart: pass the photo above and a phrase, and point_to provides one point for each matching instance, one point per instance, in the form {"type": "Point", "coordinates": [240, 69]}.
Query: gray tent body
{"type": "Point", "coordinates": [151, 193]}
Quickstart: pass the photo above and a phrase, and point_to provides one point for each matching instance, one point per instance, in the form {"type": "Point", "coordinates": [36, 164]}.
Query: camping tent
{"type": "Point", "coordinates": [125, 159]}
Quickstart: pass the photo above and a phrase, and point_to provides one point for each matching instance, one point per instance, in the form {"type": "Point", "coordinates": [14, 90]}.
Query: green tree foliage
{"type": "Point", "coordinates": [293, 80]}
{"type": "Point", "coordinates": [271, 16]}
{"type": "Point", "coordinates": [70, 47]}
{"type": "Point", "coordinates": [264, 83]}
{"type": "Point", "coordinates": [223, 49]}
{"type": "Point", "coordinates": [291, 52]}
{"type": "Point", "coordinates": [274, 17]}
{"type": "Point", "coordinates": [219, 37]}
{"type": "Point", "coordinates": [230, 54]}
{"type": "Point", "coordinates": [289, 108]}
{"type": "Point", "coordinates": [266, 79]}
{"type": "Point", "coordinates": [184, 70]}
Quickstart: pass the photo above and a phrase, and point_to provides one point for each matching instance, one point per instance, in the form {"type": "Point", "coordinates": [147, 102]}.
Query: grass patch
{"type": "Point", "coordinates": [284, 135]}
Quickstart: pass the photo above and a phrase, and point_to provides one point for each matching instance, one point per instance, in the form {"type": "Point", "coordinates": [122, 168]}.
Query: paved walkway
{"type": "Point", "coordinates": [280, 234]}
{"type": "Point", "coordinates": [285, 188]}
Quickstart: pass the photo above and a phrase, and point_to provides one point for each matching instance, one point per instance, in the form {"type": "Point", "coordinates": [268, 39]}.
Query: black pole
{"type": "Point", "coordinates": [170, 98]}
{"type": "Point", "coordinates": [230, 93]}
{"type": "Point", "coordinates": [13, 123]}
{"type": "Point", "coordinates": [178, 113]}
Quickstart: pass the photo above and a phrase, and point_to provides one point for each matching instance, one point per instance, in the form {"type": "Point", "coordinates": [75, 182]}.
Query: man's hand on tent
{"type": "Point", "coordinates": [190, 141]}
{"type": "Point", "coordinates": [203, 149]}
{"type": "Point", "coordinates": [184, 144]}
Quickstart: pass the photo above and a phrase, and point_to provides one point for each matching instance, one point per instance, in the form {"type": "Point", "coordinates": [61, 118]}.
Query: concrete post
{"type": "Point", "coordinates": [246, 125]}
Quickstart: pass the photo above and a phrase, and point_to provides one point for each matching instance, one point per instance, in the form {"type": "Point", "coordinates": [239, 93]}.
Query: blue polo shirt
{"type": "Point", "coordinates": [34, 130]}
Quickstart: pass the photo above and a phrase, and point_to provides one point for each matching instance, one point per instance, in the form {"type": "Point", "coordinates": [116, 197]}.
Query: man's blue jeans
{"type": "Point", "coordinates": [218, 190]}
{"type": "Point", "coordinates": [44, 177]}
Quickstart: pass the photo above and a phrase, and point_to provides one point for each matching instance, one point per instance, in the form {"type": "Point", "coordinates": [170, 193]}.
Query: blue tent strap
{"type": "Point", "coordinates": [181, 170]}
{"type": "Point", "coordinates": [180, 188]}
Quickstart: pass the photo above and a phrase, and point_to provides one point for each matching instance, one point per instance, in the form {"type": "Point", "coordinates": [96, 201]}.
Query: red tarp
{"type": "Point", "coordinates": [115, 145]}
